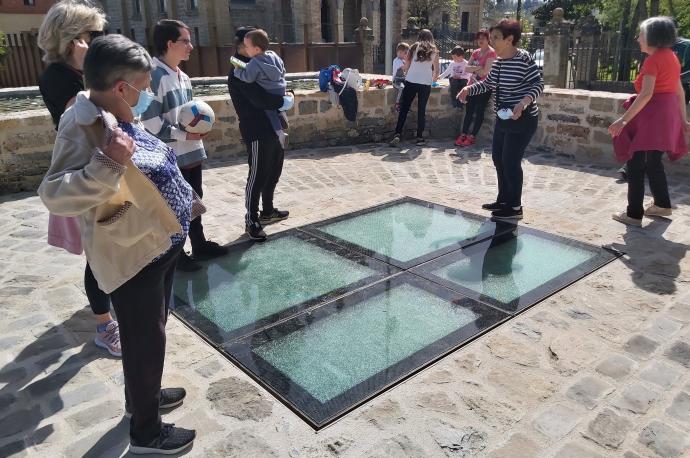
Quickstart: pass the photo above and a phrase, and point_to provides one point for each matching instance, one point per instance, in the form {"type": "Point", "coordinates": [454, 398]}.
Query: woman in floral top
{"type": "Point", "coordinates": [134, 209]}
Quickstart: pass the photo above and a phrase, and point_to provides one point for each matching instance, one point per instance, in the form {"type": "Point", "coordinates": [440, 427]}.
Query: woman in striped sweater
{"type": "Point", "coordinates": [516, 82]}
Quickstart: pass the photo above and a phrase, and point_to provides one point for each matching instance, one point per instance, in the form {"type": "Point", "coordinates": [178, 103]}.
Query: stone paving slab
{"type": "Point", "coordinates": [599, 369]}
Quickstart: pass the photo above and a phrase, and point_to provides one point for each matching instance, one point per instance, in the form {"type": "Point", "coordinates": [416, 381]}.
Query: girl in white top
{"type": "Point", "coordinates": [422, 69]}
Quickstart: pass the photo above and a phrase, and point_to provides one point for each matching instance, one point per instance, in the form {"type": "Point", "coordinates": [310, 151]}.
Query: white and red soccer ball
{"type": "Point", "coordinates": [196, 117]}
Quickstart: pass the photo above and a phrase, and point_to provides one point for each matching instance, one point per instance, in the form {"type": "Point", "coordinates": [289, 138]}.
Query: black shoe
{"type": "Point", "coordinates": [274, 217]}
{"type": "Point", "coordinates": [256, 232]}
{"type": "Point", "coordinates": [186, 264]}
{"type": "Point", "coordinates": [170, 398]}
{"type": "Point", "coordinates": [395, 141]}
{"type": "Point", "coordinates": [421, 141]}
{"type": "Point", "coordinates": [209, 250]}
{"type": "Point", "coordinates": [623, 171]}
{"type": "Point", "coordinates": [493, 206]}
{"type": "Point", "coordinates": [171, 440]}
{"type": "Point", "coordinates": [507, 213]}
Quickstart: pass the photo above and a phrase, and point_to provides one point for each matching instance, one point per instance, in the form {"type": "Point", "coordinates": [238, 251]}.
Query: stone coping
{"type": "Point", "coordinates": [26, 91]}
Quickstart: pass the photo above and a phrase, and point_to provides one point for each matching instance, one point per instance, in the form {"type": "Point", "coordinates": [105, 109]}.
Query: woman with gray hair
{"type": "Point", "coordinates": [134, 209]}
{"type": "Point", "coordinates": [64, 37]}
{"type": "Point", "coordinates": [655, 122]}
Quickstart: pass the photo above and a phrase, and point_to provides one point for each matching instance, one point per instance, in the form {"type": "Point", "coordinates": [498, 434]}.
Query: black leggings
{"type": "Point", "coordinates": [646, 163]}
{"type": "Point", "coordinates": [476, 107]}
{"type": "Point", "coordinates": [98, 300]}
{"type": "Point", "coordinates": [410, 91]}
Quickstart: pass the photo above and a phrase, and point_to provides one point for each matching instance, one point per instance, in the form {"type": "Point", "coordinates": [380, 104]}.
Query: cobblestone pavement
{"type": "Point", "coordinates": [599, 369]}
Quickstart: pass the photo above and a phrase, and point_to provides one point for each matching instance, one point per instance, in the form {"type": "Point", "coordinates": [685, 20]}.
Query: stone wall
{"type": "Point", "coordinates": [572, 123]}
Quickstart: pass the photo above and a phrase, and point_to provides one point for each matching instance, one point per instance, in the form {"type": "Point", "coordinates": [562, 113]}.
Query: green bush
{"type": "Point", "coordinates": [3, 47]}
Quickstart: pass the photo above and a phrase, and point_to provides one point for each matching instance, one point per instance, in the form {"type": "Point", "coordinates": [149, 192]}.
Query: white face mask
{"type": "Point", "coordinates": [504, 113]}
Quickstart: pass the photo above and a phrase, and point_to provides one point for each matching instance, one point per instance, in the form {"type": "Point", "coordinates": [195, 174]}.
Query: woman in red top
{"type": "Point", "coordinates": [482, 58]}
{"type": "Point", "coordinates": [654, 123]}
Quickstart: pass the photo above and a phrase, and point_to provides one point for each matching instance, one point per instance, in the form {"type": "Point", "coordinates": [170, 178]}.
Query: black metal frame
{"type": "Point", "coordinates": [602, 257]}
{"type": "Point", "coordinates": [187, 313]}
{"type": "Point", "coordinates": [493, 228]}
{"type": "Point", "coordinates": [237, 345]}
{"type": "Point", "coordinates": [319, 414]}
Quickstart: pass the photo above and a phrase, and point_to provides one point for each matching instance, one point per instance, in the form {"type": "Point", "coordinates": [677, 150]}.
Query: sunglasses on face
{"type": "Point", "coordinates": [92, 35]}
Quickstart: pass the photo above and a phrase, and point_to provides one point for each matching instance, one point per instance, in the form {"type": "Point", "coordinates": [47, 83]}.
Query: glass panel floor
{"type": "Point", "coordinates": [329, 315]}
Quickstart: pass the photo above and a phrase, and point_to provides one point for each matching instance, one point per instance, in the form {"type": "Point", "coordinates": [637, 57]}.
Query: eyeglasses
{"type": "Point", "coordinates": [186, 41]}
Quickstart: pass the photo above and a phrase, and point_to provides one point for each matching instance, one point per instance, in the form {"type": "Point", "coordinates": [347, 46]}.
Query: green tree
{"type": "Point", "coordinates": [574, 9]}
{"type": "Point", "coordinates": [423, 9]}
{"type": "Point", "coordinates": [3, 47]}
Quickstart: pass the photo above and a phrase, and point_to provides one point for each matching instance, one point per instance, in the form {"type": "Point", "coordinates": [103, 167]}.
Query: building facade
{"type": "Point", "coordinates": [214, 21]}
{"type": "Point", "coordinates": [471, 15]}
{"type": "Point", "coordinates": [22, 15]}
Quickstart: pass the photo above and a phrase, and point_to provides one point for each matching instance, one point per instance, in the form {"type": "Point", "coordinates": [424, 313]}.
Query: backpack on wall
{"type": "Point", "coordinates": [326, 76]}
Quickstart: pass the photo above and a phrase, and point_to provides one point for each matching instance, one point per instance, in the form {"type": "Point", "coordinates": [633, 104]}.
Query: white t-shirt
{"type": "Point", "coordinates": [456, 70]}
{"type": "Point", "coordinates": [421, 72]}
{"type": "Point", "coordinates": [397, 64]}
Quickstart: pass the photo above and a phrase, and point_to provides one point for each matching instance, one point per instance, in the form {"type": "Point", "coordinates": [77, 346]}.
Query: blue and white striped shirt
{"type": "Point", "coordinates": [515, 78]}
{"type": "Point", "coordinates": [172, 89]}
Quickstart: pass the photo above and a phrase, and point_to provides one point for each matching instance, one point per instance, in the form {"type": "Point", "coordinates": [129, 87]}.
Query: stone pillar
{"type": "Point", "coordinates": [587, 34]}
{"type": "Point", "coordinates": [410, 33]}
{"type": "Point", "coordinates": [556, 45]}
{"type": "Point", "coordinates": [365, 38]}
{"type": "Point", "coordinates": [225, 31]}
{"type": "Point", "coordinates": [376, 21]}
{"type": "Point", "coordinates": [389, 37]}
{"type": "Point", "coordinates": [312, 21]}
{"type": "Point", "coordinates": [339, 34]}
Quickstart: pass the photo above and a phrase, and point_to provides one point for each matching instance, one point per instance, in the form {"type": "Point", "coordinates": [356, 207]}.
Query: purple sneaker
{"type": "Point", "coordinates": [110, 339]}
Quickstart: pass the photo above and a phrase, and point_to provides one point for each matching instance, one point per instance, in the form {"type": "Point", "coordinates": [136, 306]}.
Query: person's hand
{"type": "Point", "coordinates": [687, 127]}
{"type": "Point", "coordinates": [120, 148]}
{"type": "Point", "coordinates": [462, 95]}
{"type": "Point", "coordinates": [288, 102]}
{"type": "Point", "coordinates": [79, 48]}
{"type": "Point", "coordinates": [616, 128]}
{"type": "Point", "coordinates": [517, 111]}
{"type": "Point", "coordinates": [191, 136]}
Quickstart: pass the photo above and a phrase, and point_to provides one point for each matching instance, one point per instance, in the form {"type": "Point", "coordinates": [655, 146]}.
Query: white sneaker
{"type": "Point", "coordinates": [653, 210]}
{"type": "Point", "coordinates": [625, 219]}
{"type": "Point", "coordinates": [110, 339]}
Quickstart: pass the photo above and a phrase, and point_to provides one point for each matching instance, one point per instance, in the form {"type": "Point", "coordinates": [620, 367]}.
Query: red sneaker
{"type": "Point", "coordinates": [460, 140]}
{"type": "Point", "coordinates": [469, 140]}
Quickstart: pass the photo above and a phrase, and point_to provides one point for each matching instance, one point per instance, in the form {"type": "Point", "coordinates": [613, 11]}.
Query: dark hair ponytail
{"type": "Point", "coordinates": [425, 46]}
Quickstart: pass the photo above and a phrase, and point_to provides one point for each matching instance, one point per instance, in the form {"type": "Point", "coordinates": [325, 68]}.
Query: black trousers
{"type": "Point", "coordinates": [646, 163]}
{"type": "Point", "coordinates": [196, 230]}
{"type": "Point", "coordinates": [507, 150]}
{"type": "Point", "coordinates": [410, 91]}
{"type": "Point", "coordinates": [98, 300]}
{"type": "Point", "coordinates": [476, 107]}
{"type": "Point", "coordinates": [456, 86]}
{"type": "Point", "coordinates": [266, 157]}
{"type": "Point", "coordinates": [142, 305]}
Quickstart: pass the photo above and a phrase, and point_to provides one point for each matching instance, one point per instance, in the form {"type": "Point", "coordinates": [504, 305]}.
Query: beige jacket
{"type": "Point", "coordinates": [125, 223]}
